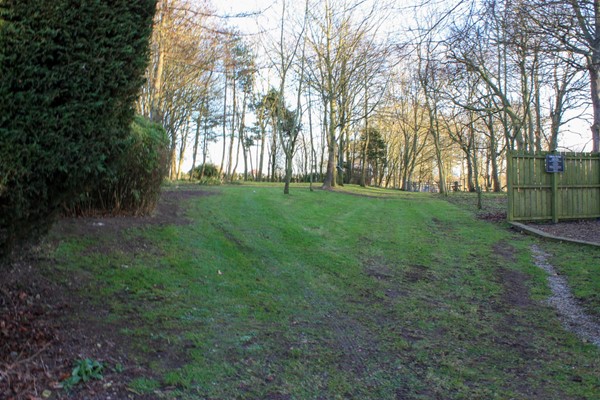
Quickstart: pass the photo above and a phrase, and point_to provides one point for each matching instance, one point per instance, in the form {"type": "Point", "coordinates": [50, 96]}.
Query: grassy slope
{"type": "Point", "coordinates": [579, 263]}
{"type": "Point", "coordinates": [326, 295]}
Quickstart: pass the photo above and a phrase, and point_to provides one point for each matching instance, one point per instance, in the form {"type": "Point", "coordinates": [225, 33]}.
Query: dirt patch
{"type": "Point", "coordinates": [585, 230]}
{"type": "Point", "coordinates": [514, 299]}
{"type": "Point", "coordinates": [348, 334]}
{"type": "Point", "coordinates": [45, 326]}
{"type": "Point", "coordinates": [169, 211]}
{"type": "Point", "coordinates": [516, 292]}
{"type": "Point", "coordinates": [514, 283]}
{"type": "Point", "coordinates": [25, 335]}
{"type": "Point", "coordinates": [494, 216]}
{"type": "Point", "coordinates": [505, 251]}
{"type": "Point", "coordinates": [394, 294]}
{"type": "Point", "coordinates": [355, 343]}
{"type": "Point", "coordinates": [417, 273]}
{"type": "Point", "coordinates": [111, 231]}
{"type": "Point", "coordinates": [494, 210]}
{"type": "Point", "coordinates": [442, 226]}
{"type": "Point", "coordinates": [376, 268]}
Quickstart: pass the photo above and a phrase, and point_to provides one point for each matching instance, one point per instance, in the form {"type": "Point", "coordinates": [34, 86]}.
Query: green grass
{"type": "Point", "coordinates": [377, 295]}
{"type": "Point", "coordinates": [581, 265]}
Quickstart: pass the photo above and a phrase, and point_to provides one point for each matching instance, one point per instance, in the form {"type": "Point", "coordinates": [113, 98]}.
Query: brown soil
{"type": "Point", "coordinates": [586, 230]}
{"type": "Point", "coordinates": [45, 326]}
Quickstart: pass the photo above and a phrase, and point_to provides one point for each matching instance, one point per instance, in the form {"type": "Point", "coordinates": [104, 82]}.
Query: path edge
{"type": "Point", "coordinates": [536, 232]}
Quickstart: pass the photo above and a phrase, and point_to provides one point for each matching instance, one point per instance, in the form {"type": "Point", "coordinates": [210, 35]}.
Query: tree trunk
{"type": "Point", "coordinates": [329, 181]}
{"type": "Point", "coordinates": [288, 172]}
{"type": "Point", "coordinates": [221, 168]}
{"type": "Point", "coordinates": [241, 129]}
{"type": "Point", "coordinates": [237, 160]}
{"type": "Point", "coordinates": [196, 143]}
{"type": "Point", "coordinates": [233, 117]}
{"type": "Point", "coordinates": [274, 150]}
{"type": "Point", "coordinates": [440, 163]}
{"type": "Point", "coordinates": [313, 154]}
{"type": "Point", "coordinates": [363, 169]}
{"type": "Point", "coordinates": [340, 158]}
{"type": "Point", "coordinates": [204, 149]}
{"type": "Point", "coordinates": [594, 70]}
{"type": "Point", "coordinates": [496, 186]}
{"type": "Point", "coordinates": [156, 114]}
{"type": "Point", "coordinates": [263, 135]}
{"type": "Point", "coordinates": [173, 149]}
{"type": "Point", "coordinates": [323, 145]}
{"type": "Point", "coordinates": [470, 184]}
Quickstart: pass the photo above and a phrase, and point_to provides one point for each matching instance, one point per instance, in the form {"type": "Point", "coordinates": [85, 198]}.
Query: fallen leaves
{"type": "Point", "coordinates": [23, 340]}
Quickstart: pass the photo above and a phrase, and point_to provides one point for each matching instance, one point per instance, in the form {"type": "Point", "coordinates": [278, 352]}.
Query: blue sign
{"type": "Point", "coordinates": [555, 163]}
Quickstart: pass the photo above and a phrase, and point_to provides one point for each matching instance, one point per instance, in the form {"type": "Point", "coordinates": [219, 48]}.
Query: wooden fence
{"type": "Point", "coordinates": [535, 194]}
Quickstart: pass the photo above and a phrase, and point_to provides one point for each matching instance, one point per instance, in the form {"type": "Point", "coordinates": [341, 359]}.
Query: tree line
{"type": "Point", "coordinates": [341, 91]}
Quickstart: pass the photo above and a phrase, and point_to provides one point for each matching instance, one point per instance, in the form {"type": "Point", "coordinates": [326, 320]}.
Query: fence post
{"type": "Point", "coordinates": [509, 185]}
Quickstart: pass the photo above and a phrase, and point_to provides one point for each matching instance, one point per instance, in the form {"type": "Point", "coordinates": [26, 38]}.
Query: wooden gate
{"type": "Point", "coordinates": [535, 194]}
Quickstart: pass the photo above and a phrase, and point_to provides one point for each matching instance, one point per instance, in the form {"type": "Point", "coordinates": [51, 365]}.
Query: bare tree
{"type": "Point", "coordinates": [573, 26]}
{"type": "Point", "coordinates": [182, 56]}
{"type": "Point", "coordinates": [338, 36]}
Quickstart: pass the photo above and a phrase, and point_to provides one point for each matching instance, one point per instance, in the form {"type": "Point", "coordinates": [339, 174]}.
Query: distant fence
{"type": "Point", "coordinates": [534, 193]}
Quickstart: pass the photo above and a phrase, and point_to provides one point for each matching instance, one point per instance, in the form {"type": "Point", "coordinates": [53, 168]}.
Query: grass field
{"type": "Point", "coordinates": [251, 294]}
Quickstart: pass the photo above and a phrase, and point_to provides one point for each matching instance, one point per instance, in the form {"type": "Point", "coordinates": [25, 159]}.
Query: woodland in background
{"type": "Point", "coordinates": [342, 92]}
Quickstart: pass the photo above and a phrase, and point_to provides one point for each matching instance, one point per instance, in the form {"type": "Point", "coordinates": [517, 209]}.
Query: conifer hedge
{"type": "Point", "coordinates": [131, 184]}
{"type": "Point", "coordinates": [70, 71]}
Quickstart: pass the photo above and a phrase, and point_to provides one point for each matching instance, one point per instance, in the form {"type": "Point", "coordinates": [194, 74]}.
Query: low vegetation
{"type": "Point", "coordinates": [131, 183]}
{"type": "Point", "coordinates": [373, 294]}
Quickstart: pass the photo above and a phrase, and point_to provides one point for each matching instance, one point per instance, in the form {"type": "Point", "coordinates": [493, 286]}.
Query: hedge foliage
{"type": "Point", "coordinates": [210, 171]}
{"type": "Point", "coordinates": [70, 71]}
{"type": "Point", "coordinates": [132, 183]}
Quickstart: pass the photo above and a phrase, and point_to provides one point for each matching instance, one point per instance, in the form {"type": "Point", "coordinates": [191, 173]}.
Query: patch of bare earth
{"type": "Point", "coordinates": [585, 230]}
{"type": "Point", "coordinates": [514, 330]}
{"type": "Point", "coordinates": [45, 325]}
{"type": "Point", "coordinates": [514, 282]}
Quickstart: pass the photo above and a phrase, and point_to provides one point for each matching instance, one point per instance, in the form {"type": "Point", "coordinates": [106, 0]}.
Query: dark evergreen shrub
{"type": "Point", "coordinates": [132, 183]}
{"type": "Point", "coordinates": [70, 71]}
{"type": "Point", "coordinates": [210, 171]}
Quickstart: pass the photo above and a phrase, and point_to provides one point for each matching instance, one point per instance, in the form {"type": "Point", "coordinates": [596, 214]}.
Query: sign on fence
{"type": "Point", "coordinates": [555, 163]}
{"type": "Point", "coordinates": [548, 186]}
